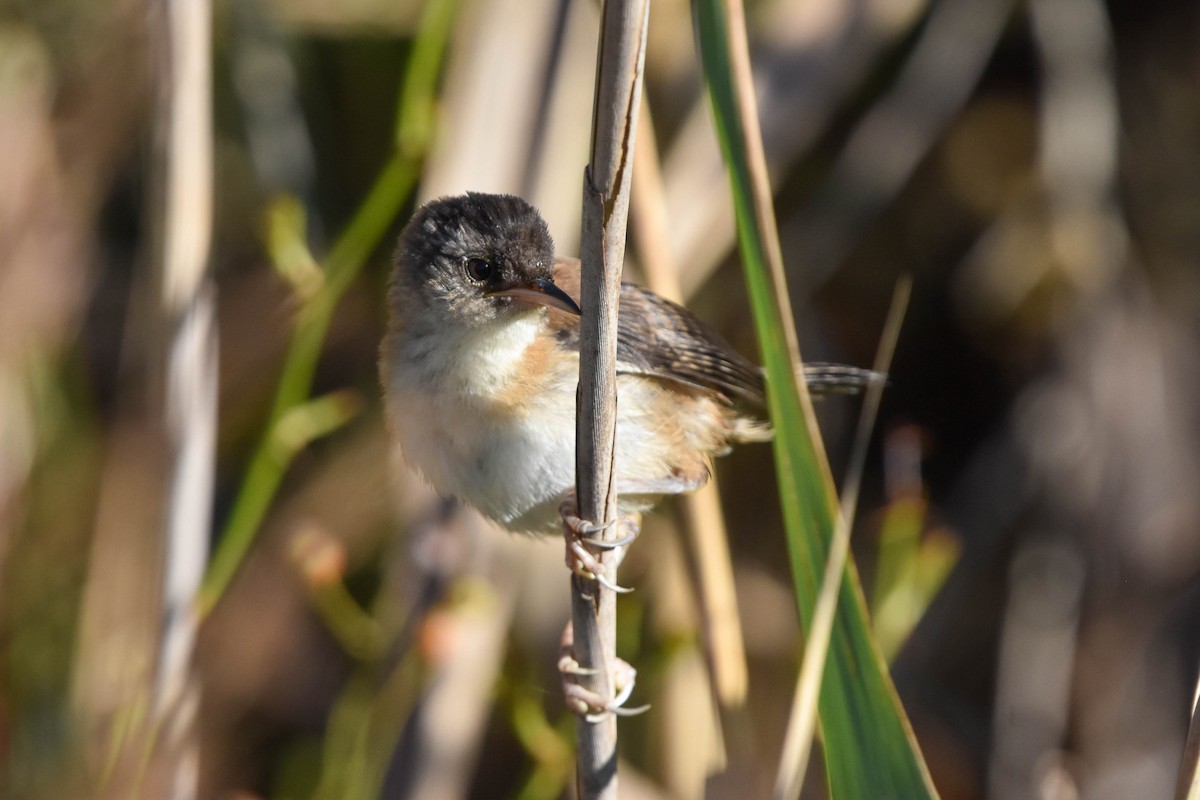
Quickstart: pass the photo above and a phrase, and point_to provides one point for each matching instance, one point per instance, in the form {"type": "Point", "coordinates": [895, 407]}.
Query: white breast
{"type": "Point", "coordinates": [515, 464]}
{"type": "Point", "coordinates": [513, 467]}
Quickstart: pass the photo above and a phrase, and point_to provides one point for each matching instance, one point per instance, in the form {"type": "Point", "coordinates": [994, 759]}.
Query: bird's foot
{"type": "Point", "coordinates": [588, 704]}
{"type": "Point", "coordinates": [580, 535]}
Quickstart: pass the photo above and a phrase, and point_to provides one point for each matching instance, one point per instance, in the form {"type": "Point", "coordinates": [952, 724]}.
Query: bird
{"type": "Point", "coordinates": [479, 368]}
{"type": "Point", "coordinates": [480, 365]}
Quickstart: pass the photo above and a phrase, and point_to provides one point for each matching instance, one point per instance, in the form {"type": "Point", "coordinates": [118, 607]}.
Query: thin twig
{"type": "Point", "coordinates": [619, 62]}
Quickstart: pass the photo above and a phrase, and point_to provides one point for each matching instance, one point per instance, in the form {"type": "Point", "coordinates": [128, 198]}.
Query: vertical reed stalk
{"type": "Point", "coordinates": [191, 401]}
{"type": "Point", "coordinates": [619, 62]}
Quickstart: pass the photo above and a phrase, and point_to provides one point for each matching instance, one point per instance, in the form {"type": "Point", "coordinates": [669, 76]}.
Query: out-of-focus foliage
{"type": "Point", "coordinates": [1033, 166]}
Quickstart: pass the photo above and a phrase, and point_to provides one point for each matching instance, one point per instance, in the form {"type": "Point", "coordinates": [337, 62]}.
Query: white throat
{"type": "Point", "coordinates": [477, 361]}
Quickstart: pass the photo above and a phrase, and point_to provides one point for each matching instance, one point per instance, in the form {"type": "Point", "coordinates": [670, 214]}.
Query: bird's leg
{"type": "Point", "coordinates": [585, 702]}
{"type": "Point", "coordinates": [579, 536]}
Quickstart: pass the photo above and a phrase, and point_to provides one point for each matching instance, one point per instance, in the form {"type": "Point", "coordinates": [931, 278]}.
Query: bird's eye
{"type": "Point", "coordinates": [480, 270]}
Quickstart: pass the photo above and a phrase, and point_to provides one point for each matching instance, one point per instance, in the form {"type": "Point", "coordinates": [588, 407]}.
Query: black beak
{"type": "Point", "coordinates": [540, 292]}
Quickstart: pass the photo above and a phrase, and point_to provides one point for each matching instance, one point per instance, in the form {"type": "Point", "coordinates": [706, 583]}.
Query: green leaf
{"type": "Point", "coordinates": [869, 748]}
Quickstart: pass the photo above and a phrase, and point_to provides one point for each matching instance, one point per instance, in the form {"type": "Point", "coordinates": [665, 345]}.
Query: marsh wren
{"type": "Point", "coordinates": [481, 361]}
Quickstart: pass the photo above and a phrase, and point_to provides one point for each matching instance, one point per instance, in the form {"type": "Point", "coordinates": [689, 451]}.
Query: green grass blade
{"type": "Point", "coordinates": [868, 744]}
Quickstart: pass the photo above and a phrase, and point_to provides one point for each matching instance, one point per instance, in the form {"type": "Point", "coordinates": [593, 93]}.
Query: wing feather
{"type": "Point", "coordinates": [664, 340]}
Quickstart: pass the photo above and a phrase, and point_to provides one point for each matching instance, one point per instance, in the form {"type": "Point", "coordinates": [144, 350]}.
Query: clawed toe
{"type": "Point", "coordinates": [579, 532]}
{"type": "Point", "coordinates": [586, 565]}
{"type": "Point", "coordinates": [567, 665]}
{"type": "Point", "coordinates": [630, 531]}
{"type": "Point", "coordinates": [607, 584]}
{"type": "Point", "coordinates": [583, 528]}
{"type": "Point", "coordinates": [569, 511]}
{"type": "Point", "coordinates": [591, 706]}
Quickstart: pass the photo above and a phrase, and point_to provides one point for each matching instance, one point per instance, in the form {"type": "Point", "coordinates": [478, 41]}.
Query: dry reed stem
{"type": "Point", "coordinates": [707, 541]}
{"type": "Point", "coordinates": [619, 63]}
{"type": "Point", "coordinates": [191, 401]}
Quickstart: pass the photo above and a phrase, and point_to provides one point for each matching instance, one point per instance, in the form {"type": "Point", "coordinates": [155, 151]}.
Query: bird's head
{"type": "Point", "coordinates": [474, 260]}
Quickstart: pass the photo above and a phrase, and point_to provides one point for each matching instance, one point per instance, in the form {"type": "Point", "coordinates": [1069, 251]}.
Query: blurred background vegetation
{"type": "Point", "coordinates": [1028, 534]}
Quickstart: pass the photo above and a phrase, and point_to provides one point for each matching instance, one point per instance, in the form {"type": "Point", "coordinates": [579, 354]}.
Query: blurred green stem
{"type": "Point", "coordinates": [364, 729]}
{"type": "Point", "coordinates": [546, 745]}
{"type": "Point", "coordinates": [391, 190]}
